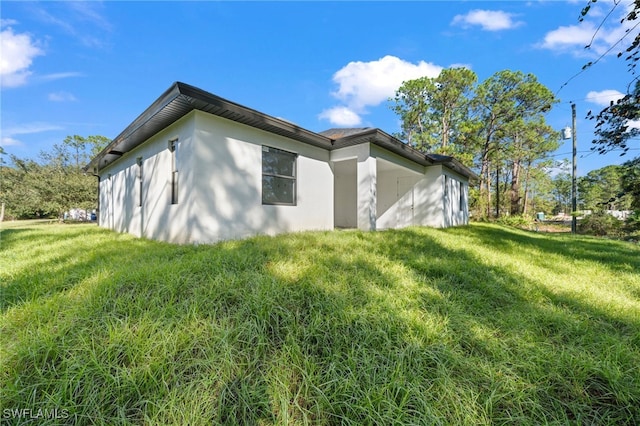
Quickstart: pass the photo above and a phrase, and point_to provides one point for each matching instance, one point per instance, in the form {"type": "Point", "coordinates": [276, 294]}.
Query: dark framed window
{"type": "Point", "coordinates": [173, 147]}
{"type": "Point", "coordinates": [461, 196]}
{"type": "Point", "coordinates": [278, 176]}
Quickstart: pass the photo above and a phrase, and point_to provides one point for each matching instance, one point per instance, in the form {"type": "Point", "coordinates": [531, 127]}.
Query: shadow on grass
{"type": "Point", "coordinates": [54, 260]}
{"type": "Point", "coordinates": [349, 327]}
{"type": "Point", "coordinates": [615, 255]}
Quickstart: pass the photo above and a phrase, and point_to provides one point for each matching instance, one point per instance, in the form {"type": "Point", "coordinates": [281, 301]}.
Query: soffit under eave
{"type": "Point", "coordinates": [460, 169]}
{"type": "Point", "coordinates": [164, 111]}
{"type": "Point", "coordinates": [174, 104]}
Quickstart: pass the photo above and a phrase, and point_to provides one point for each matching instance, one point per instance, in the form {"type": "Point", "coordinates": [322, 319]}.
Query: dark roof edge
{"type": "Point", "coordinates": [193, 98]}
{"type": "Point", "coordinates": [453, 164]}
{"type": "Point", "coordinates": [186, 91]}
{"type": "Point", "coordinates": [197, 93]}
{"type": "Point", "coordinates": [169, 95]}
{"type": "Point", "coordinates": [381, 138]}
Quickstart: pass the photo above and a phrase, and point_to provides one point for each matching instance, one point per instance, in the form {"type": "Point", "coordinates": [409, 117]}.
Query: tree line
{"type": "Point", "coordinates": [51, 184]}
{"type": "Point", "coordinates": [496, 127]}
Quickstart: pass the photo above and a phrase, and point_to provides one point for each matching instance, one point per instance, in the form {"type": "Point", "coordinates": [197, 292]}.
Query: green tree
{"type": "Point", "coordinates": [631, 182]}
{"type": "Point", "coordinates": [53, 184]}
{"type": "Point", "coordinates": [602, 189]}
{"type": "Point", "coordinates": [524, 143]}
{"type": "Point", "coordinates": [561, 189]}
{"type": "Point", "coordinates": [539, 188]}
{"type": "Point", "coordinates": [434, 112]}
{"type": "Point", "coordinates": [496, 127]}
{"type": "Point", "coordinates": [562, 193]}
{"type": "Point", "coordinates": [503, 99]}
{"type": "Point", "coordinates": [21, 180]}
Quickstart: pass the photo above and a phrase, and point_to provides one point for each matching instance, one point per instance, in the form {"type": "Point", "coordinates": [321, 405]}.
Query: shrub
{"type": "Point", "coordinates": [632, 223]}
{"type": "Point", "coordinates": [517, 221]}
{"type": "Point", "coordinates": [632, 227]}
{"type": "Point", "coordinates": [600, 224]}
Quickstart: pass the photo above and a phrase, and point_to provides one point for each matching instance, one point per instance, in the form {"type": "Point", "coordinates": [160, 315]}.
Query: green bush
{"type": "Point", "coordinates": [600, 224]}
{"type": "Point", "coordinates": [632, 224]}
{"type": "Point", "coordinates": [632, 227]}
{"type": "Point", "coordinates": [518, 221]}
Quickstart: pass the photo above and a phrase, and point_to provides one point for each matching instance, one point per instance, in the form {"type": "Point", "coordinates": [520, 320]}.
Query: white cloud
{"type": "Point", "coordinates": [489, 20]}
{"type": "Point", "coordinates": [29, 128]}
{"type": "Point", "coordinates": [633, 124]}
{"type": "Point", "coordinates": [574, 35]}
{"type": "Point", "coordinates": [7, 22]}
{"type": "Point", "coordinates": [368, 84]}
{"type": "Point", "coordinates": [62, 97]}
{"type": "Point", "coordinates": [9, 141]}
{"type": "Point", "coordinates": [363, 84]}
{"type": "Point", "coordinates": [91, 12]}
{"type": "Point", "coordinates": [25, 129]}
{"type": "Point", "coordinates": [601, 37]}
{"type": "Point", "coordinates": [82, 20]}
{"type": "Point", "coordinates": [341, 116]}
{"type": "Point", "coordinates": [60, 76]}
{"type": "Point", "coordinates": [604, 97]}
{"type": "Point", "coordinates": [18, 52]}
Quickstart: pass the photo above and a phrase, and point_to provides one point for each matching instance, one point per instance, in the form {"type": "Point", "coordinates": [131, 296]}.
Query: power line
{"type": "Point", "coordinates": [590, 152]}
{"type": "Point", "coordinates": [615, 4]}
{"type": "Point", "coordinates": [590, 64]}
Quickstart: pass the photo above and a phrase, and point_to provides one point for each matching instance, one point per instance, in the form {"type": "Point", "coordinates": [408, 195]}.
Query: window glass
{"type": "Point", "coordinates": [276, 162]}
{"type": "Point", "coordinates": [277, 190]}
{"type": "Point", "coordinates": [278, 176]}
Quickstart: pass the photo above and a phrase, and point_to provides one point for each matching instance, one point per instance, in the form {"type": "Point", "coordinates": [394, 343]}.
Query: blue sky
{"type": "Point", "coordinates": [92, 67]}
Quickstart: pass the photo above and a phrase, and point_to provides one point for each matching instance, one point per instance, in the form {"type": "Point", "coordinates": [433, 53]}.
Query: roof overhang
{"type": "Point", "coordinates": [180, 99]}
{"type": "Point", "coordinates": [388, 142]}
{"type": "Point", "coordinates": [453, 164]}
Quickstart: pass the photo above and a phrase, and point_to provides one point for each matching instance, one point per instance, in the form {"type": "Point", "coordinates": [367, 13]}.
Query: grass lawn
{"type": "Point", "coordinates": [473, 325]}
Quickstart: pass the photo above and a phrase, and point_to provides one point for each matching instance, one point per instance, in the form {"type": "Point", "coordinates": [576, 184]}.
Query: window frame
{"type": "Point", "coordinates": [139, 162]}
{"type": "Point", "coordinates": [293, 178]}
{"type": "Point", "coordinates": [173, 149]}
{"type": "Point", "coordinates": [446, 186]}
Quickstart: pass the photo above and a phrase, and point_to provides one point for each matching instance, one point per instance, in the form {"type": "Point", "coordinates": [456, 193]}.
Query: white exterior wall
{"type": "Point", "coordinates": [219, 165]}
{"type": "Point", "coordinates": [408, 193]}
{"type": "Point", "coordinates": [410, 199]}
{"type": "Point", "coordinates": [393, 192]}
{"type": "Point", "coordinates": [119, 193]}
{"type": "Point", "coordinates": [345, 198]}
{"type": "Point", "coordinates": [429, 198]}
{"type": "Point", "coordinates": [227, 183]}
{"type": "Point", "coordinates": [365, 181]}
{"type": "Point", "coordinates": [396, 198]}
{"type": "Point", "coordinates": [455, 199]}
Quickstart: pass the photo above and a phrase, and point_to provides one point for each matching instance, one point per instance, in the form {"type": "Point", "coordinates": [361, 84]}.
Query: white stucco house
{"type": "Point", "coordinates": [196, 168]}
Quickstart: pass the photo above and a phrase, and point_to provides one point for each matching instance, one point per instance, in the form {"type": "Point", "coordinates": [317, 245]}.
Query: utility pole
{"type": "Point", "coordinates": [574, 192]}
